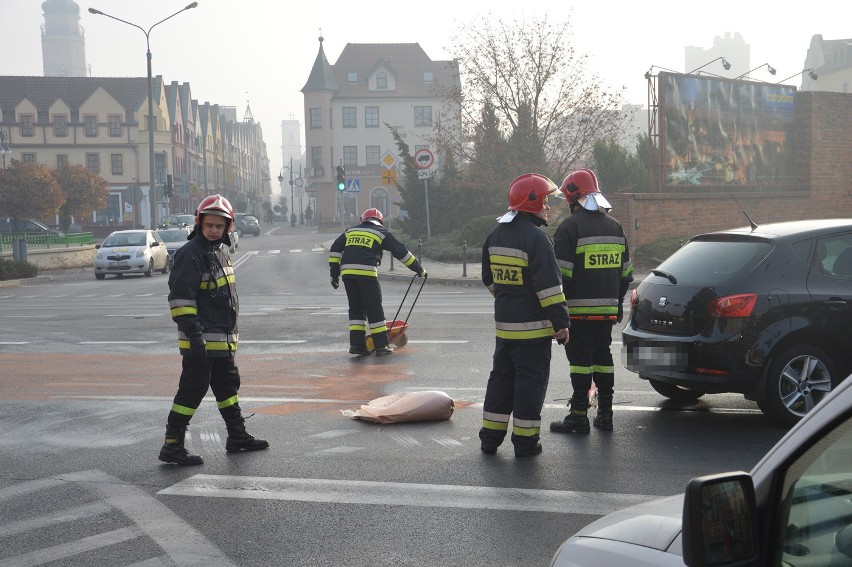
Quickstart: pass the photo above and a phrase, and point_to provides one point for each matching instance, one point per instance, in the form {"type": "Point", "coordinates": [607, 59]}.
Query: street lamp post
{"type": "Point", "coordinates": [151, 187]}
{"type": "Point", "coordinates": [281, 180]}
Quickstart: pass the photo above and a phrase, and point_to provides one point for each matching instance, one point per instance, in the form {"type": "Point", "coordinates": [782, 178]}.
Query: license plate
{"type": "Point", "coordinates": [643, 359]}
{"type": "Point", "coordinates": [118, 264]}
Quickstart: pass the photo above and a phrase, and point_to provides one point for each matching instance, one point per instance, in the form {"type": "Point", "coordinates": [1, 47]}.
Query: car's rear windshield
{"type": "Point", "coordinates": [172, 235]}
{"type": "Point", "coordinates": [714, 262]}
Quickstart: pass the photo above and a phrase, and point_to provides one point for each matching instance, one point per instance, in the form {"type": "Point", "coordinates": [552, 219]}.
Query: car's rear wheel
{"type": "Point", "coordinates": [100, 276]}
{"type": "Point", "coordinates": [165, 269]}
{"type": "Point", "coordinates": [797, 379]}
{"type": "Point", "coordinates": [150, 271]}
{"type": "Point", "coordinates": [675, 393]}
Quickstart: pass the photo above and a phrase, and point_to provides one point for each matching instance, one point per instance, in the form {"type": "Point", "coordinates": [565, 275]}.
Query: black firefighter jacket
{"type": "Point", "coordinates": [594, 260]}
{"type": "Point", "coordinates": [203, 296]}
{"type": "Point", "coordinates": [359, 250]}
{"type": "Point", "coordinates": [519, 268]}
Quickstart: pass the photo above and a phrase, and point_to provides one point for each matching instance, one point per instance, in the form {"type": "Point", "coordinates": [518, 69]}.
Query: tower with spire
{"type": "Point", "coordinates": [63, 43]}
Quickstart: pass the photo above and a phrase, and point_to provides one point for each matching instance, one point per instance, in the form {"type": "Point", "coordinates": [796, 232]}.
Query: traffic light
{"type": "Point", "coordinates": [169, 187]}
{"type": "Point", "coordinates": [341, 178]}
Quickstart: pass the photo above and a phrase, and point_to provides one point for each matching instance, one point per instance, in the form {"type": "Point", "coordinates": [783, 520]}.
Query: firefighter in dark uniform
{"type": "Point", "coordinates": [204, 304]}
{"type": "Point", "coordinates": [355, 255]}
{"type": "Point", "coordinates": [596, 270]}
{"type": "Point", "coordinates": [519, 268]}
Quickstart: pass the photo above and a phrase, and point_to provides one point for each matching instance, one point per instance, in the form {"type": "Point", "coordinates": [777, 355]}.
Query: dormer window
{"type": "Point", "coordinates": [381, 80]}
{"type": "Point", "coordinates": [352, 77]}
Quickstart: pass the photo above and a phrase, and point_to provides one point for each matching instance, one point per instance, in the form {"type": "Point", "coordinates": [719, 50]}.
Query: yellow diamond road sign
{"type": "Point", "coordinates": [389, 160]}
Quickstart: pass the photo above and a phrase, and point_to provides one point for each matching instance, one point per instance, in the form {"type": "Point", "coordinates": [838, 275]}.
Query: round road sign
{"type": "Point", "coordinates": [424, 159]}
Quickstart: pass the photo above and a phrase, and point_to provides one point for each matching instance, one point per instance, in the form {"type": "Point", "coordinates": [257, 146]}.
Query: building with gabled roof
{"type": "Point", "coordinates": [349, 107]}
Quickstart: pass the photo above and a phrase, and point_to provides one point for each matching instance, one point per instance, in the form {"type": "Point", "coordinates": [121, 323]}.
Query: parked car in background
{"type": "Point", "coordinates": [174, 238]}
{"type": "Point", "coordinates": [234, 235]}
{"type": "Point", "coordinates": [179, 220]}
{"type": "Point", "coordinates": [765, 311]}
{"type": "Point", "coordinates": [793, 509]}
{"type": "Point", "coordinates": [247, 223]}
{"type": "Point", "coordinates": [26, 226]}
{"type": "Point", "coordinates": [131, 252]}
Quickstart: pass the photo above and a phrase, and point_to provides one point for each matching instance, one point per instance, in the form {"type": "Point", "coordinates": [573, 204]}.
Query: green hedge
{"type": "Point", "coordinates": [15, 270]}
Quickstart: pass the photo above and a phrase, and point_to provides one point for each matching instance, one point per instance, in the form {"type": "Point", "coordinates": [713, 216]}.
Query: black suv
{"type": "Point", "coordinates": [247, 223]}
{"type": "Point", "coordinates": [762, 311]}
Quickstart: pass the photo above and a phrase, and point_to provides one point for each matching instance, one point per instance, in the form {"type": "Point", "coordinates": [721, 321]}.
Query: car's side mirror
{"type": "Point", "coordinates": [720, 521]}
{"type": "Point", "coordinates": [155, 243]}
{"type": "Point", "coordinates": [97, 246]}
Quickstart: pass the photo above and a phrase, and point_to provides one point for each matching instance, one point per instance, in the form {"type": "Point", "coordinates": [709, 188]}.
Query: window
{"type": "Point", "coordinates": [352, 77]}
{"type": "Point", "coordinates": [350, 155]}
{"type": "Point", "coordinates": [60, 125]}
{"type": "Point", "coordinates": [117, 164]}
{"type": "Point", "coordinates": [422, 115]}
{"type": "Point", "coordinates": [316, 158]}
{"type": "Point", "coordinates": [381, 80]}
{"type": "Point", "coordinates": [93, 162]}
{"type": "Point", "coordinates": [114, 125]}
{"type": "Point", "coordinates": [428, 77]}
{"type": "Point", "coordinates": [373, 155]}
{"type": "Point", "coordinates": [27, 125]}
{"type": "Point", "coordinates": [61, 160]}
{"type": "Point", "coordinates": [91, 123]}
{"type": "Point", "coordinates": [349, 119]}
{"type": "Point", "coordinates": [371, 117]}
{"type": "Point", "coordinates": [316, 117]}
{"type": "Point", "coordinates": [28, 157]}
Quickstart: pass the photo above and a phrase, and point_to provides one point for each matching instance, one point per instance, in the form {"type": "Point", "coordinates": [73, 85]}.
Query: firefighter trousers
{"type": "Point", "coordinates": [516, 387]}
{"type": "Point", "coordinates": [219, 374]}
{"type": "Point", "coordinates": [365, 308]}
{"type": "Point", "coordinates": [589, 357]}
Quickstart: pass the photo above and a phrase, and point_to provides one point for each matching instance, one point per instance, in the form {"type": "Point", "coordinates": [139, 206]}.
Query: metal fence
{"type": "Point", "coordinates": [7, 240]}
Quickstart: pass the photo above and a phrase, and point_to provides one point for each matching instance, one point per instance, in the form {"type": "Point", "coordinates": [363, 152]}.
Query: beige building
{"type": "Point", "coordinates": [348, 107]}
{"type": "Point", "coordinates": [101, 122]}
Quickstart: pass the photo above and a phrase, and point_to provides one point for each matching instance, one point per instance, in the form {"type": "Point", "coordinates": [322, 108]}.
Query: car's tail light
{"type": "Point", "coordinates": [733, 306]}
{"type": "Point", "coordinates": [634, 299]}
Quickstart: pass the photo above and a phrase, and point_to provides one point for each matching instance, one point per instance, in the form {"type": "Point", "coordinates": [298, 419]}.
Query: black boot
{"type": "Point", "coordinates": [603, 420]}
{"type": "Point", "coordinates": [173, 450]}
{"type": "Point", "coordinates": [577, 421]}
{"type": "Point", "coordinates": [239, 439]}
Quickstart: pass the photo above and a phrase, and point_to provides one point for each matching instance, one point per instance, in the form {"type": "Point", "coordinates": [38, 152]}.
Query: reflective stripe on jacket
{"type": "Point", "coordinates": [359, 250]}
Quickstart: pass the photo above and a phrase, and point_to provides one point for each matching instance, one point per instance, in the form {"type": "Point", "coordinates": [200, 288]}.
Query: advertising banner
{"type": "Point", "coordinates": [726, 133]}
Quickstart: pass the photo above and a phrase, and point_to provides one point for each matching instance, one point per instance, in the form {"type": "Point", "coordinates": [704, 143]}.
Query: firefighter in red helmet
{"type": "Point", "coordinates": [596, 270]}
{"type": "Point", "coordinates": [519, 268]}
{"type": "Point", "coordinates": [204, 304]}
{"type": "Point", "coordinates": [354, 256]}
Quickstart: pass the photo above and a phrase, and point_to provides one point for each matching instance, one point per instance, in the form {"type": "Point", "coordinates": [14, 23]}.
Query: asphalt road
{"type": "Point", "coordinates": [88, 369]}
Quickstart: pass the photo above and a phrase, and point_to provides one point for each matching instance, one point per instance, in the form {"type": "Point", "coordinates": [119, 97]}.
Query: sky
{"type": "Point", "coordinates": [261, 51]}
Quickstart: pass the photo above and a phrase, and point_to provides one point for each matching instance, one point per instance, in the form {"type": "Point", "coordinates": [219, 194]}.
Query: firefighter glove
{"type": "Point", "coordinates": [335, 283]}
{"type": "Point", "coordinates": [197, 347]}
{"type": "Point", "coordinates": [620, 312]}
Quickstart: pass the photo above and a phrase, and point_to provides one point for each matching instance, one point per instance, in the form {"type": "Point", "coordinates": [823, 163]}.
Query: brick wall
{"type": "Point", "coordinates": [824, 172]}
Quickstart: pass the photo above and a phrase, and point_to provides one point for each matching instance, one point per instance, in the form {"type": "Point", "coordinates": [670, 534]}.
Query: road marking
{"type": "Point", "coordinates": [45, 520]}
{"type": "Point", "coordinates": [404, 494]}
{"type": "Point", "coordinates": [144, 295]}
{"type": "Point", "coordinates": [244, 342]}
{"type": "Point", "coordinates": [317, 249]}
{"type": "Point", "coordinates": [135, 315]}
{"type": "Point", "coordinates": [296, 251]}
{"type": "Point", "coordinates": [14, 342]}
{"type": "Point", "coordinates": [273, 251]}
{"type": "Point", "coordinates": [77, 547]}
{"type": "Point", "coordinates": [117, 342]}
{"type": "Point", "coordinates": [29, 316]}
{"type": "Point", "coordinates": [463, 312]}
{"type": "Point", "coordinates": [438, 342]}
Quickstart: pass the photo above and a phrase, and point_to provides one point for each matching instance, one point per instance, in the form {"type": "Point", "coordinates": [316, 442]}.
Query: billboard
{"type": "Point", "coordinates": [726, 133]}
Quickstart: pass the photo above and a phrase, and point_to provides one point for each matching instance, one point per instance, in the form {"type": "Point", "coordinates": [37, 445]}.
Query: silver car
{"type": "Point", "coordinates": [131, 252]}
{"type": "Point", "coordinates": [174, 238]}
{"type": "Point", "coordinates": [793, 509]}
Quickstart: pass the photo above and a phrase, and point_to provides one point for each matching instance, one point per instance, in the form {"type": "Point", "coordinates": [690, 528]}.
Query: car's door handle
{"type": "Point", "coordinates": [834, 302]}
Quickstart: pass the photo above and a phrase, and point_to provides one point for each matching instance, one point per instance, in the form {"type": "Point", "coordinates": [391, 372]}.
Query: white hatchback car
{"type": "Point", "coordinates": [794, 509]}
{"type": "Point", "coordinates": [131, 252]}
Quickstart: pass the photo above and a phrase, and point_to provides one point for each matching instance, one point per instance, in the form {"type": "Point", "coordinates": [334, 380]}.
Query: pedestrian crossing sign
{"type": "Point", "coordinates": [353, 186]}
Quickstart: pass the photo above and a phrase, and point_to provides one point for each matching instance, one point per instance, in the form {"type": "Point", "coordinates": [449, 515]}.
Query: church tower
{"type": "Point", "coordinates": [63, 45]}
